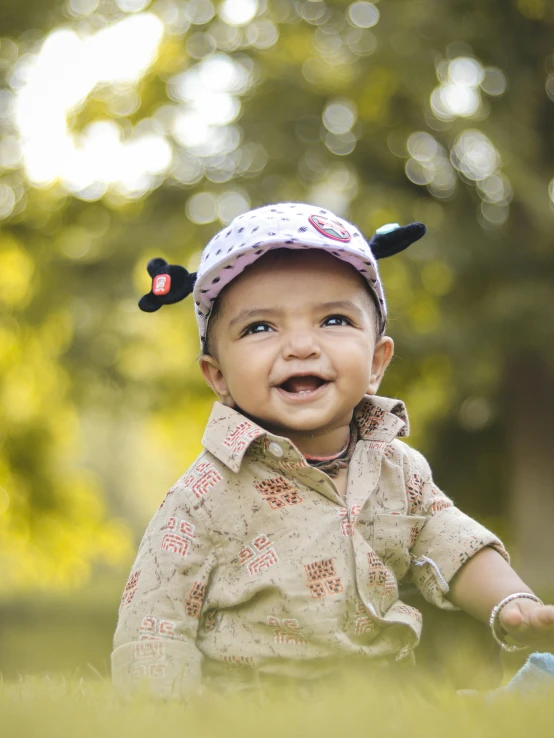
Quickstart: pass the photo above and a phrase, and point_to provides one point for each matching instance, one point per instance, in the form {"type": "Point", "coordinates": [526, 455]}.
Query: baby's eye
{"type": "Point", "coordinates": [257, 328]}
{"type": "Point", "coordinates": [337, 320]}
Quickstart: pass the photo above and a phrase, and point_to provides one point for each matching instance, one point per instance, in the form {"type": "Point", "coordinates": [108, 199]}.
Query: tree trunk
{"type": "Point", "coordinates": [530, 432]}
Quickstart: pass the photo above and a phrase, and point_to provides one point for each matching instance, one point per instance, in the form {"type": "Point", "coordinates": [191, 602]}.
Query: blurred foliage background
{"type": "Point", "coordinates": [130, 129]}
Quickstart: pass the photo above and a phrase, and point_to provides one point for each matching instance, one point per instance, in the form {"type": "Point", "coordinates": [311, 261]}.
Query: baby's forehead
{"type": "Point", "coordinates": [286, 275]}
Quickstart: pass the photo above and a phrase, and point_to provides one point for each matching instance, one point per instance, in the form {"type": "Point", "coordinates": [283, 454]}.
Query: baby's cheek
{"type": "Point", "coordinates": [248, 389]}
{"type": "Point", "coordinates": [356, 374]}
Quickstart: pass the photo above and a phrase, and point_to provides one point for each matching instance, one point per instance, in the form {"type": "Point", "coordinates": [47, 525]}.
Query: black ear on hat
{"type": "Point", "coordinates": [390, 240]}
{"type": "Point", "coordinates": [170, 283]}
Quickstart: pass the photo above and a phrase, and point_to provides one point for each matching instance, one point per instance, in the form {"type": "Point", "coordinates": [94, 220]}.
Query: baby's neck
{"type": "Point", "coordinates": [324, 444]}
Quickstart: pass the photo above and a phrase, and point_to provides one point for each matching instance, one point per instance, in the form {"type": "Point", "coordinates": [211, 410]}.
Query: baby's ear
{"type": "Point", "coordinates": [214, 377]}
{"type": "Point", "coordinates": [392, 238]}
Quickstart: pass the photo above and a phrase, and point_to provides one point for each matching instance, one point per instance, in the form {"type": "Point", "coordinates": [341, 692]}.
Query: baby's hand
{"type": "Point", "coordinates": [529, 623]}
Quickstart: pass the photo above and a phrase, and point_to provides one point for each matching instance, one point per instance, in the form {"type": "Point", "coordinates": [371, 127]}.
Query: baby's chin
{"type": "Point", "coordinates": [304, 425]}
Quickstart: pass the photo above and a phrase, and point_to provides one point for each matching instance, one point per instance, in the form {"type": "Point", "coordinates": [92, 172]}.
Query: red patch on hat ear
{"type": "Point", "coordinates": [330, 228]}
{"type": "Point", "coordinates": [161, 284]}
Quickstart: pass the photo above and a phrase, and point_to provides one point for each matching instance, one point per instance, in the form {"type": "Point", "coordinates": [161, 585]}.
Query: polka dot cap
{"type": "Point", "coordinates": [284, 225]}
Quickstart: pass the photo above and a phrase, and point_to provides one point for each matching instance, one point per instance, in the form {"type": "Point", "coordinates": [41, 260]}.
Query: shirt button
{"type": "Point", "coordinates": [275, 449]}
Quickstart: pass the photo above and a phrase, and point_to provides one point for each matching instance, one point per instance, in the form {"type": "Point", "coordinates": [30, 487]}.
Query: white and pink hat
{"type": "Point", "coordinates": [283, 225]}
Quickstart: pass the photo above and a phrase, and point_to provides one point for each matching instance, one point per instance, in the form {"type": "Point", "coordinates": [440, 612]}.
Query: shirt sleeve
{"type": "Point", "coordinates": [447, 539]}
{"type": "Point", "coordinates": [155, 638]}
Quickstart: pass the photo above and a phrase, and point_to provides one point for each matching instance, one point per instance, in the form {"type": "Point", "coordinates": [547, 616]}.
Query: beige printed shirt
{"type": "Point", "coordinates": [254, 564]}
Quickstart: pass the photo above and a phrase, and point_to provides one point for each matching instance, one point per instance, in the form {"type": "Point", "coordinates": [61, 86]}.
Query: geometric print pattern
{"type": "Point", "coordinates": [130, 588]}
{"type": "Point", "coordinates": [239, 660]}
{"type": "Point", "coordinates": [193, 603]}
{"type": "Point", "coordinates": [179, 536]}
{"type": "Point", "coordinates": [414, 490]}
{"type": "Point", "coordinates": [278, 492]}
{"type": "Point", "coordinates": [368, 418]}
{"type": "Point", "coordinates": [259, 555]}
{"type": "Point", "coordinates": [295, 561]}
{"type": "Point", "coordinates": [363, 623]}
{"type": "Point", "coordinates": [439, 501]}
{"type": "Point", "coordinates": [409, 611]}
{"type": "Point", "coordinates": [348, 522]}
{"type": "Point", "coordinates": [287, 631]}
{"type": "Point", "coordinates": [202, 478]}
{"type": "Point", "coordinates": [148, 657]}
{"type": "Point", "coordinates": [239, 437]}
{"type": "Point", "coordinates": [382, 578]}
{"type": "Point", "coordinates": [152, 629]}
{"type": "Point", "coordinates": [322, 578]}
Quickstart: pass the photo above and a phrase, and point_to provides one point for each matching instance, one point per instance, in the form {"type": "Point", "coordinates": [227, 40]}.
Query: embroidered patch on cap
{"type": "Point", "coordinates": [330, 228]}
{"type": "Point", "coordinates": [161, 284]}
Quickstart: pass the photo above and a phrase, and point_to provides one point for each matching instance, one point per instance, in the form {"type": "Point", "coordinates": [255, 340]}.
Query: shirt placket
{"type": "Point", "coordinates": [376, 585]}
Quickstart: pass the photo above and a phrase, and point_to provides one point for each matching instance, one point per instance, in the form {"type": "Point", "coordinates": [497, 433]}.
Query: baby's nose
{"type": "Point", "coordinates": [301, 344]}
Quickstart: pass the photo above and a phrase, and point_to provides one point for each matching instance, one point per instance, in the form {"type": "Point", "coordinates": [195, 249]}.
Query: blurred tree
{"type": "Point", "coordinates": [404, 110]}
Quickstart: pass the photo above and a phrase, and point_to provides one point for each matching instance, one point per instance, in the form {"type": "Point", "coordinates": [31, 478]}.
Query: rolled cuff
{"type": "Point", "coordinates": [445, 543]}
{"type": "Point", "coordinates": [164, 669]}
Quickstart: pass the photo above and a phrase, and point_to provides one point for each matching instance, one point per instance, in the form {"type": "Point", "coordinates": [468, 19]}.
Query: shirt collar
{"type": "Point", "coordinates": [229, 434]}
{"type": "Point", "coordinates": [381, 419]}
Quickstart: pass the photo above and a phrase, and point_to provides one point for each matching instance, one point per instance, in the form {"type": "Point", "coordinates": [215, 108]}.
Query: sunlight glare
{"type": "Point", "coordinates": [58, 80]}
{"type": "Point", "coordinates": [238, 12]}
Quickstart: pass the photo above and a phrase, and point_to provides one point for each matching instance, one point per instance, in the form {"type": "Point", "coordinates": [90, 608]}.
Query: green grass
{"type": "Point", "coordinates": [58, 707]}
{"type": "Point", "coordinates": [69, 638]}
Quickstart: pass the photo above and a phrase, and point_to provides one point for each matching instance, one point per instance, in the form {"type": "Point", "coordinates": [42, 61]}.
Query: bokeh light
{"type": "Point", "coordinates": [474, 155]}
{"type": "Point", "coordinates": [339, 116]}
{"type": "Point", "coordinates": [48, 90]}
{"type": "Point", "coordinates": [128, 159]}
{"type": "Point", "coordinates": [224, 105]}
{"type": "Point", "coordinates": [238, 12]}
{"type": "Point", "coordinates": [494, 81]}
{"type": "Point", "coordinates": [202, 207]}
{"type": "Point", "coordinates": [7, 200]}
{"type": "Point", "coordinates": [363, 14]}
{"type": "Point", "coordinates": [549, 86]}
{"type": "Point", "coordinates": [475, 413]}
{"type": "Point", "coordinates": [132, 6]}
{"type": "Point", "coordinates": [478, 161]}
{"type": "Point", "coordinates": [206, 207]}
{"type": "Point", "coordinates": [429, 165]}
{"type": "Point", "coordinates": [232, 203]}
{"type": "Point", "coordinates": [198, 12]}
{"type": "Point", "coordinates": [551, 191]}
{"type": "Point", "coordinates": [314, 12]}
{"type": "Point", "coordinates": [336, 189]}
{"type": "Point", "coordinates": [81, 8]}
{"type": "Point", "coordinates": [461, 81]}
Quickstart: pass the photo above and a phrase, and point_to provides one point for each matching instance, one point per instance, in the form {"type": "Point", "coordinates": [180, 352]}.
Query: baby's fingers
{"type": "Point", "coordinates": [512, 618]}
{"type": "Point", "coordinates": [530, 624]}
{"type": "Point", "coordinates": [541, 618]}
{"type": "Point", "coordinates": [528, 621]}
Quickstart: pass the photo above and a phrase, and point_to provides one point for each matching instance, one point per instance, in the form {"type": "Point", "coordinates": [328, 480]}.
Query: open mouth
{"type": "Point", "coordinates": [302, 385]}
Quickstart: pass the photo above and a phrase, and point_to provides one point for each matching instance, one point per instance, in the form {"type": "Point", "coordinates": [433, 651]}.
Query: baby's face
{"type": "Point", "coordinates": [295, 343]}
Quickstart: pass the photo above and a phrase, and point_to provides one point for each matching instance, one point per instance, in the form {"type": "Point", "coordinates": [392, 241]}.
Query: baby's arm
{"type": "Point", "coordinates": [484, 581]}
{"type": "Point", "coordinates": [155, 640]}
{"type": "Point", "coordinates": [457, 563]}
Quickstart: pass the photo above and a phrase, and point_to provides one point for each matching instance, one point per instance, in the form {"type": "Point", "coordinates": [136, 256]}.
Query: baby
{"type": "Point", "coordinates": [280, 551]}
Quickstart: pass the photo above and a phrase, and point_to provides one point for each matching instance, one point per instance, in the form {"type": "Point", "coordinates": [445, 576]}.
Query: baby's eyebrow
{"type": "Point", "coordinates": [245, 315]}
{"type": "Point", "coordinates": [340, 305]}
{"type": "Point", "coordinates": [261, 313]}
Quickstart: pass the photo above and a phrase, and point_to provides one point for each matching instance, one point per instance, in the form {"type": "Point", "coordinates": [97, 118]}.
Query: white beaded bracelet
{"type": "Point", "coordinates": [496, 610]}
